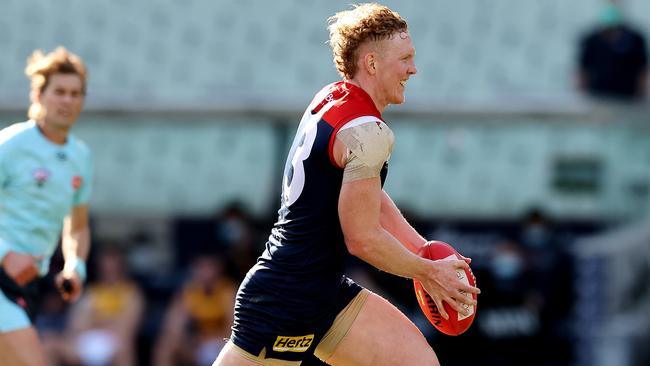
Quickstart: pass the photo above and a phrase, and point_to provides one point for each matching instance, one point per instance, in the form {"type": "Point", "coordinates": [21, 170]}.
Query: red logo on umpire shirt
{"type": "Point", "coordinates": [40, 175]}
{"type": "Point", "coordinates": [76, 182]}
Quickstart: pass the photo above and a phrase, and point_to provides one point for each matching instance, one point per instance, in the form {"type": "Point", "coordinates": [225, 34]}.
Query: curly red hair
{"type": "Point", "coordinates": [349, 29]}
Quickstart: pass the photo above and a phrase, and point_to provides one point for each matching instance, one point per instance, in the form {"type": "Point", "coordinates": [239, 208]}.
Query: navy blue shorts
{"type": "Point", "coordinates": [286, 327]}
{"type": "Point", "coordinates": [18, 304]}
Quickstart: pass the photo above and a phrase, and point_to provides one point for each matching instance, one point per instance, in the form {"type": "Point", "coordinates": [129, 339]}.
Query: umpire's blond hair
{"type": "Point", "coordinates": [41, 66]}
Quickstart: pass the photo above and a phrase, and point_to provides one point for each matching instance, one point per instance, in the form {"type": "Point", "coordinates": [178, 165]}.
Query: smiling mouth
{"type": "Point", "coordinates": [403, 83]}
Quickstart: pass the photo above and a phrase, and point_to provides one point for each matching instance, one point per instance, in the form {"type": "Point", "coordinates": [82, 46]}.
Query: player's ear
{"type": "Point", "coordinates": [369, 62]}
{"type": "Point", "coordinates": [35, 96]}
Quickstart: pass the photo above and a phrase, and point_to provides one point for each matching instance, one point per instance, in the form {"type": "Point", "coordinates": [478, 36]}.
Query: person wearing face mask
{"type": "Point", "coordinates": [510, 321]}
{"type": "Point", "coordinates": [613, 59]}
{"type": "Point", "coordinates": [507, 265]}
{"type": "Point", "coordinates": [45, 180]}
{"type": "Point", "coordinates": [536, 232]}
{"type": "Point", "coordinates": [549, 273]}
{"type": "Point", "coordinates": [296, 300]}
{"type": "Point", "coordinates": [234, 235]}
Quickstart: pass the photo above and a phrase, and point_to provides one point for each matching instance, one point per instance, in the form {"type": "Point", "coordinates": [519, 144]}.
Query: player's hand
{"type": "Point", "coordinates": [466, 259]}
{"type": "Point", "coordinates": [21, 267]}
{"type": "Point", "coordinates": [69, 285]}
{"type": "Point", "coordinates": [442, 284]}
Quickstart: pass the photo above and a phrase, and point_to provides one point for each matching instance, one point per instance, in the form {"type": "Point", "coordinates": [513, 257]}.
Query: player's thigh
{"type": "Point", "coordinates": [231, 356]}
{"type": "Point", "coordinates": [382, 335]}
{"type": "Point", "coordinates": [21, 348]}
{"type": "Point", "coordinates": [12, 316]}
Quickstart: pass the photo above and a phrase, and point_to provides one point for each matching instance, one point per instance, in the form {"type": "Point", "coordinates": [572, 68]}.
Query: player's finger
{"type": "Point", "coordinates": [64, 294]}
{"type": "Point", "coordinates": [466, 298]}
{"type": "Point", "coordinates": [67, 295]}
{"type": "Point", "coordinates": [466, 259]}
{"type": "Point", "coordinates": [441, 309]}
{"type": "Point", "coordinates": [461, 264]}
{"type": "Point", "coordinates": [457, 305]}
{"type": "Point", "coordinates": [470, 289]}
{"type": "Point", "coordinates": [67, 285]}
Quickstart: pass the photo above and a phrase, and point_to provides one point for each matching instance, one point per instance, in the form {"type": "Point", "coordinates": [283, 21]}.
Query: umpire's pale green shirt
{"type": "Point", "coordinates": [40, 182]}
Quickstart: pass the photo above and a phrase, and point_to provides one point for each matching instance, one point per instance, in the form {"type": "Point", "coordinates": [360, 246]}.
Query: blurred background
{"type": "Point", "coordinates": [524, 142]}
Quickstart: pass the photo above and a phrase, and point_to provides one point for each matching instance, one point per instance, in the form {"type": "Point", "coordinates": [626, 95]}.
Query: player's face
{"type": "Point", "coordinates": [62, 100]}
{"type": "Point", "coordinates": [396, 63]}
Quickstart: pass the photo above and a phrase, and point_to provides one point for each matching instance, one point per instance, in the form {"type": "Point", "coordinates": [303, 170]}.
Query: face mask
{"type": "Point", "coordinates": [232, 230]}
{"type": "Point", "coordinates": [611, 16]}
{"type": "Point", "coordinates": [535, 236]}
{"type": "Point", "coordinates": [506, 266]}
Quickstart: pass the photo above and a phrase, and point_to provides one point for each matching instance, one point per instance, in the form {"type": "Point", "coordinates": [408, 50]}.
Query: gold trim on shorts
{"type": "Point", "coordinates": [331, 339]}
{"type": "Point", "coordinates": [261, 358]}
{"type": "Point", "coordinates": [341, 326]}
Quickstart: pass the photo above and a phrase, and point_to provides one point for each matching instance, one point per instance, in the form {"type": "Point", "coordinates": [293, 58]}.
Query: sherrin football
{"type": "Point", "coordinates": [457, 323]}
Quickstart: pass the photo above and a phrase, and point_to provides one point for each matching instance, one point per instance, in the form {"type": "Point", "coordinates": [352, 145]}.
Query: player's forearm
{"type": "Point", "coordinates": [75, 245]}
{"type": "Point", "coordinates": [75, 241]}
{"type": "Point", "coordinates": [360, 205]}
{"type": "Point", "coordinates": [383, 251]}
{"type": "Point", "coordinates": [393, 221]}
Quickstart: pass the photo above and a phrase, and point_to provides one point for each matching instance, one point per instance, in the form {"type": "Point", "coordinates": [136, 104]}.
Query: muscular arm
{"type": "Point", "coordinates": [362, 151]}
{"type": "Point", "coordinates": [393, 221]}
{"type": "Point", "coordinates": [375, 231]}
{"type": "Point", "coordinates": [359, 213]}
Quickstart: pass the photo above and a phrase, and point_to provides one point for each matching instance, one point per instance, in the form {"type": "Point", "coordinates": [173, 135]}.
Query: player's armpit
{"type": "Point", "coordinates": [370, 145]}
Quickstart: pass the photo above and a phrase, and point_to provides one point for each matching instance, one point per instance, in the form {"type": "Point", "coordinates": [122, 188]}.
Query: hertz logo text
{"type": "Point", "coordinates": [293, 344]}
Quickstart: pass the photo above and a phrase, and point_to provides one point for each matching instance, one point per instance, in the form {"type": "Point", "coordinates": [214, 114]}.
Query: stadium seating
{"type": "Point", "coordinates": [206, 54]}
{"type": "Point", "coordinates": [180, 166]}
{"type": "Point", "coordinates": [219, 56]}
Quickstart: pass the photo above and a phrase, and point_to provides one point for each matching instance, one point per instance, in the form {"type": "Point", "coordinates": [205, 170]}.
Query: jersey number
{"type": "Point", "coordinates": [294, 175]}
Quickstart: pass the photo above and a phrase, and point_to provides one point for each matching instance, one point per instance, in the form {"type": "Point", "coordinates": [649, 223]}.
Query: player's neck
{"type": "Point", "coordinates": [369, 87]}
{"type": "Point", "coordinates": [54, 134]}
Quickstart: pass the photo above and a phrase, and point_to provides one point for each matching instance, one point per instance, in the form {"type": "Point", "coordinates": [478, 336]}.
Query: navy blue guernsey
{"type": "Point", "coordinates": [297, 279]}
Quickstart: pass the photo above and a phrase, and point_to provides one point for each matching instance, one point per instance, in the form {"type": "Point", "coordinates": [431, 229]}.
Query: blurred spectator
{"type": "Point", "coordinates": [509, 309]}
{"type": "Point", "coordinates": [234, 234]}
{"type": "Point", "coordinates": [103, 326]}
{"type": "Point", "coordinates": [527, 297]}
{"type": "Point", "coordinates": [613, 59]}
{"type": "Point", "coordinates": [199, 317]}
{"type": "Point", "coordinates": [550, 267]}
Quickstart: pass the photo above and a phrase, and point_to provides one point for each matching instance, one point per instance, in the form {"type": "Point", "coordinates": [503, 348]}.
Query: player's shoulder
{"type": "Point", "coordinates": [16, 136]}
{"type": "Point", "coordinates": [368, 137]}
{"type": "Point", "coordinates": [79, 145]}
{"type": "Point", "coordinates": [345, 102]}
{"type": "Point", "coordinates": [14, 132]}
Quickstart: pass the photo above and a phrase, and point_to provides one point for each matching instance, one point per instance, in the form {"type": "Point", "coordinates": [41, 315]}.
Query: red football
{"type": "Point", "coordinates": [457, 323]}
